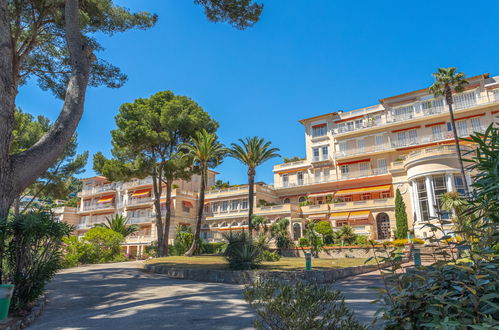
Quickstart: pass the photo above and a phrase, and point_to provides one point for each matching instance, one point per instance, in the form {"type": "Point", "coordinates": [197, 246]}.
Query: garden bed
{"type": "Point", "coordinates": [215, 269]}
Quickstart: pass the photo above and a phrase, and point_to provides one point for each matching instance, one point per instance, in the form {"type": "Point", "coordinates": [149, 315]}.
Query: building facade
{"type": "Point", "coordinates": [355, 161]}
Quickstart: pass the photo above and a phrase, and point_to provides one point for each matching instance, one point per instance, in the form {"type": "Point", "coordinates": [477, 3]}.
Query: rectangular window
{"type": "Point", "coordinates": [359, 123]}
{"type": "Point", "coordinates": [385, 194]}
{"type": "Point", "coordinates": [347, 198]}
{"type": "Point", "coordinates": [224, 206]}
{"type": "Point", "coordinates": [234, 205]}
{"type": "Point", "coordinates": [440, 188]}
{"type": "Point", "coordinates": [403, 113]}
{"type": "Point", "coordinates": [464, 100]}
{"type": "Point", "coordinates": [476, 125]}
{"type": "Point", "coordinates": [432, 107]}
{"type": "Point", "coordinates": [325, 174]}
{"type": "Point", "coordinates": [459, 184]}
{"type": "Point", "coordinates": [343, 147]}
{"type": "Point", "coordinates": [436, 132]}
{"type": "Point", "coordinates": [361, 145]}
{"type": "Point", "coordinates": [364, 168]}
{"type": "Point", "coordinates": [462, 128]}
{"type": "Point", "coordinates": [366, 196]}
{"type": "Point", "coordinates": [379, 142]}
{"type": "Point", "coordinates": [325, 152]}
{"type": "Point", "coordinates": [344, 171]}
{"type": "Point", "coordinates": [382, 166]}
{"type": "Point", "coordinates": [285, 180]}
{"type": "Point", "coordinates": [401, 141]}
{"type": "Point", "coordinates": [496, 95]}
{"type": "Point", "coordinates": [186, 209]}
{"type": "Point", "coordinates": [244, 204]}
{"type": "Point", "coordinates": [317, 176]}
{"type": "Point", "coordinates": [319, 130]}
{"type": "Point", "coordinates": [423, 200]}
{"type": "Point", "coordinates": [350, 126]}
{"type": "Point", "coordinates": [413, 137]}
{"type": "Point", "coordinates": [316, 154]}
{"type": "Point", "coordinates": [299, 178]}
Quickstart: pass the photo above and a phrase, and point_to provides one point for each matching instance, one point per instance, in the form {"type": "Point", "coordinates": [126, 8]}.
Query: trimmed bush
{"type": "Point", "coordinates": [299, 305]}
{"type": "Point", "coordinates": [270, 256]}
{"type": "Point", "coordinates": [241, 252]}
{"type": "Point", "coordinates": [405, 241]}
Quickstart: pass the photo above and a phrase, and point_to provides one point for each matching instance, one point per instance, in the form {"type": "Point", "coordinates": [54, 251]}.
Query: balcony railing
{"type": "Point", "coordinates": [136, 220]}
{"type": "Point", "coordinates": [291, 164]}
{"type": "Point", "coordinates": [435, 137]}
{"type": "Point", "coordinates": [138, 239]}
{"type": "Point", "coordinates": [335, 207]}
{"type": "Point", "coordinates": [102, 206]}
{"type": "Point", "coordinates": [136, 183]}
{"type": "Point", "coordinates": [98, 189]}
{"type": "Point", "coordinates": [138, 201]}
{"type": "Point", "coordinates": [361, 151]}
{"type": "Point", "coordinates": [325, 179]}
{"type": "Point", "coordinates": [321, 158]}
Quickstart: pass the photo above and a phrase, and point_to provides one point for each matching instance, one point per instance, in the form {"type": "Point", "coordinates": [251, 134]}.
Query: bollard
{"type": "Point", "coordinates": [308, 261]}
{"type": "Point", "coordinates": [417, 257]}
{"type": "Point", "coordinates": [5, 296]}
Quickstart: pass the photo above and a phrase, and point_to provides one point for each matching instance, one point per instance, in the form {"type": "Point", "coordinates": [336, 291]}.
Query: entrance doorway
{"type": "Point", "coordinates": [383, 226]}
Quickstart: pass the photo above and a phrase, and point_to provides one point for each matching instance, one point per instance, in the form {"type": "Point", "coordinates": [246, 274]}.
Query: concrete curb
{"type": "Point", "coordinates": [29, 318]}
{"type": "Point", "coordinates": [251, 276]}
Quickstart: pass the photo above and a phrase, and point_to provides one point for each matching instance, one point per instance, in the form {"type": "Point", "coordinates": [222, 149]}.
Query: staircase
{"type": "Point", "coordinates": [432, 253]}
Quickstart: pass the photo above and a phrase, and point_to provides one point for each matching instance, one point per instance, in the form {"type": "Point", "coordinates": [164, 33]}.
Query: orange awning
{"type": "Point", "coordinates": [321, 194]}
{"type": "Point", "coordinates": [359, 215]}
{"type": "Point", "coordinates": [340, 215]}
{"type": "Point", "coordinates": [317, 216]}
{"type": "Point", "coordinates": [141, 192]}
{"type": "Point", "coordinates": [105, 199]}
{"type": "Point", "coordinates": [187, 203]}
{"type": "Point", "coordinates": [363, 190]}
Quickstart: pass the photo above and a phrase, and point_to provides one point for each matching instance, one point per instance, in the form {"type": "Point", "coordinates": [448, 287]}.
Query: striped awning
{"type": "Point", "coordinates": [359, 215]}
{"type": "Point", "coordinates": [142, 192]}
{"type": "Point", "coordinates": [340, 216]}
{"type": "Point", "coordinates": [105, 199]}
{"type": "Point", "coordinates": [363, 190]}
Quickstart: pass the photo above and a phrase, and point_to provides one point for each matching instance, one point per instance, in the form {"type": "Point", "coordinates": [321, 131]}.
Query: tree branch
{"type": "Point", "coordinates": [31, 163]}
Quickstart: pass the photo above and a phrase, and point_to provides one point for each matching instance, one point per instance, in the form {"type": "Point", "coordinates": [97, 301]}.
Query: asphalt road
{"type": "Point", "coordinates": [122, 296]}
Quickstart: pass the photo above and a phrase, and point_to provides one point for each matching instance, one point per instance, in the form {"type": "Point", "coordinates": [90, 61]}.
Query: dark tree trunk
{"type": "Point", "coordinates": [251, 193]}
{"type": "Point", "coordinates": [20, 170]}
{"type": "Point", "coordinates": [456, 140]}
{"type": "Point", "coordinates": [196, 240]}
{"type": "Point", "coordinates": [168, 216]}
{"type": "Point", "coordinates": [158, 190]}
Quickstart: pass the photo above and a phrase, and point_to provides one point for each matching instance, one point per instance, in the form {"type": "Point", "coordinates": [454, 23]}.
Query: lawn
{"type": "Point", "coordinates": [216, 262]}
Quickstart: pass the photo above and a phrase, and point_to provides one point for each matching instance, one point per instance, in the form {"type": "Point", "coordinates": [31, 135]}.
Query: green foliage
{"type": "Point", "coordinates": [400, 216]}
{"type": "Point", "coordinates": [119, 224]}
{"type": "Point", "coordinates": [241, 252]}
{"type": "Point", "coordinates": [314, 238]}
{"type": "Point", "coordinates": [279, 231]}
{"type": "Point", "coordinates": [307, 202]}
{"type": "Point", "coordinates": [260, 223]}
{"type": "Point", "coordinates": [361, 240]}
{"type": "Point", "coordinates": [152, 250]}
{"type": "Point", "coordinates": [270, 256]}
{"type": "Point", "coordinates": [324, 228]}
{"type": "Point", "coordinates": [263, 202]}
{"type": "Point", "coordinates": [346, 235]}
{"type": "Point", "coordinates": [298, 305]}
{"type": "Point", "coordinates": [183, 240]}
{"type": "Point", "coordinates": [303, 242]}
{"type": "Point", "coordinates": [211, 248]}
{"type": "Point", "coordinates": [59, 181]}
{"type": "Point", "coordinates": [220, 184]}
{"type": "Point", "coordinates": [33, 254]}
{"type": "Point", "coordinates": [292, 159]}
{"type": "Point", "coordinates": [104, 245]}
{"type": "Point", "coordinates": [239, 13]}
{"type": "Point", "coordinates": [72, 202]}
{"type": "Point", "coordinates": [405, 241]}
{"type": "Point", "coordinates": [41, 24]}
{"type": "Point", "coordinates": [444, 296]}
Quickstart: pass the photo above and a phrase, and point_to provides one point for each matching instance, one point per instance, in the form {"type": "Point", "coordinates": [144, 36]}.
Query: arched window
{"type": "Point", "coordinates": [286, 201]}
{"type": "Point", "coordinates": [223, 224]}
{"type": "Point", "coordinates": [296, 231]}
{"type": "Point", "coordinates": [234, 224]}
{"type": "Point", "coordinates": [302, 199]}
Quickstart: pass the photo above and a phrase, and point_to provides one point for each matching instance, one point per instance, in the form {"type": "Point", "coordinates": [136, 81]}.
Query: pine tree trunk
{"type": "Point", "coordinates": [157, 190]}
{"type": "Point", "coordinates": [458, 147]}
{"type": "Point", "coordinates": [168, 216]}
{"type": "Point", "coordinates": [251, 193]}
{"type": "Point", "coordinates": [196, 240]}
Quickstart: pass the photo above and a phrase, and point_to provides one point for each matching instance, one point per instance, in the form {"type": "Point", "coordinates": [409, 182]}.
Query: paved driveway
{"type": "Point", "coordinates": [121, 296]}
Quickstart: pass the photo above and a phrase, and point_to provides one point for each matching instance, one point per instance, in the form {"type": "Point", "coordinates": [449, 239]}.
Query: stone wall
{"type": "Point", "coordinates": [248, 277]}
{"type": "Point", "coordinates": [336, 252]}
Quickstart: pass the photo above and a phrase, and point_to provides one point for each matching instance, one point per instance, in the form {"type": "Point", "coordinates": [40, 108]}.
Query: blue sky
{"type": "Point", "coordinates": [298, 61]}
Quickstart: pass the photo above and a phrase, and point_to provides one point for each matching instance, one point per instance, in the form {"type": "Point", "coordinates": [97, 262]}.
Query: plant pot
{"type": "Point", "coordinates": [5, 296]}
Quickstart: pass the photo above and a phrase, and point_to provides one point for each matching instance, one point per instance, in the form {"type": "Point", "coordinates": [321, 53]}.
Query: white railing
{"type": "Point", "coordinates": [226, 190]}
{"type": "Point", "coordinates": [290, 164]}
{"type": "Point", "coordinates": [138, 239]}
{"type": "Point", "coordinates": [98, 206]}
{"type": "Point", "coordinates": [137, 182]}
{"type": "Point", "coordinates": [357, 151]}
{"type": "Point", "coordinates": [98, 189]}
{"type": "Point", "coordinates": [137, 201]}
{"type": "Point", "coordinates": [435, 137]}
{"type": "Point", "coordinates": [321, 158]}
{"type": "Point", "coordinates": [136, 220]}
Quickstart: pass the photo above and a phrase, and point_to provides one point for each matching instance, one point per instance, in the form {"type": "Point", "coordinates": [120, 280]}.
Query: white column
{"type": "Point", "coordinates": [128, 249]}
{"type": "Point", "coordinates": [415, 200]}
{"type": "Point", "coordinates": [431, 197]}
{"type": "Point", "coordinates": [449, 178]}
{"type": "Point", "coordinates": [468, 181]}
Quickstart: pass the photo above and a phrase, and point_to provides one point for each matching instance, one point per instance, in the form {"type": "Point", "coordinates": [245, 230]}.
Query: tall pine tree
{"type": "Point", "coordinates": [400, 216]}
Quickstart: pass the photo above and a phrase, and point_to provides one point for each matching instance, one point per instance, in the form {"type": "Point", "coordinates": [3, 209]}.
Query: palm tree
{"type": "Point", "coordinates": [119, 224]}
{"type": "Point", "coordinates": [446, 80]}
{"type": "Point", "coordinates": [252, 152]}
{"type": "Point", "coordinates": [206, 152]}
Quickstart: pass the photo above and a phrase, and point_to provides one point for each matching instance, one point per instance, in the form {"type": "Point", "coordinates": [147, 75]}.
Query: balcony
{"type": "Point", "coordinates": [98, 189]}
{"type": "Point", "coordinates": [364, 173]}
{"type": "Point", "coordinates": [138, 239]}
{"type": "Point", "coordinates": [348, 206]}
{"type": "Point", "coordinates": [362, 151]}
{"type": "Point", "coordinates": [321, 158]}
{"type": "Point", "coordinates": [443, 136]}
{"type": "Point", "coordinates": [276, 209]}
{"type": "Point", "coordinates": [137, 220]}
{"type": "Point", "coordinates": [442, 150]}
{"type": "Point", "coordinates": [82, 226]}
{"type": "Point", "coordinates": [93, 207]}
{"type": "Point", "coordinates": [299, 163]}
{"type": "Point", "coordinates": [139, 201]}
{"type": "Point", "coordinates": [137, 183]}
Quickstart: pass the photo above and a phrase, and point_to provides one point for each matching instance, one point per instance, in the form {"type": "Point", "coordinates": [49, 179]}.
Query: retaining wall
{"type": "Point", "coordinates": [336, 252]}
{"type": "Point", "coordinates": [250, 276]}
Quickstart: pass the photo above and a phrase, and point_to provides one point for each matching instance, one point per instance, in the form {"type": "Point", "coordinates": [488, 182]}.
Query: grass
{"type": "Point", "coordinates": [216, 262]}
